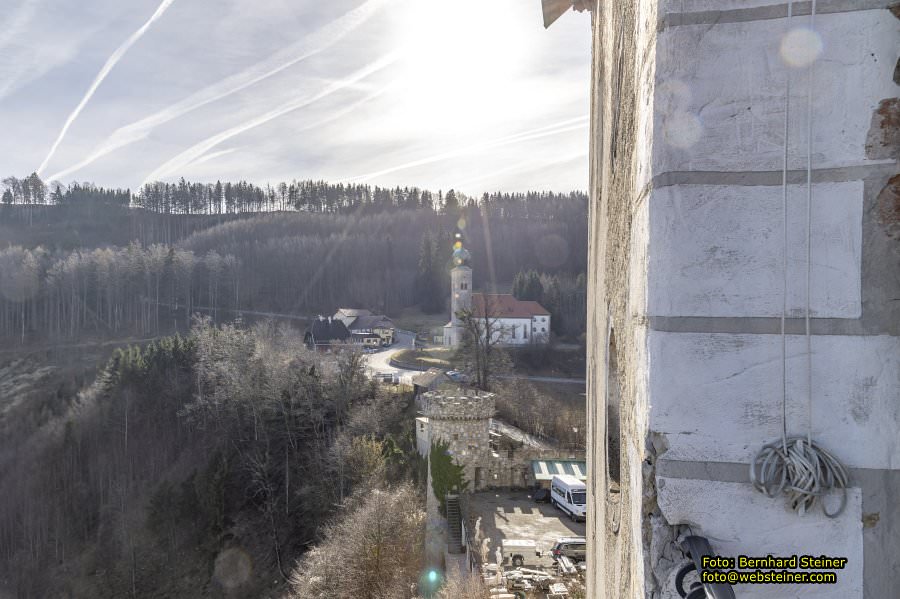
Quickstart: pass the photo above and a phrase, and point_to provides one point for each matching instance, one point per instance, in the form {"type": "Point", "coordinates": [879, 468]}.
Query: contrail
{"type": "Point", "coordinates": [212, 155]}
{"type": "Point", "coordinates": [334, 116]}
{"type": "Point", "coordinates": [315, 43]}
{"type": "Point", "coordinates": [197, 150]}
{"type": "Point", "coordinates": [107, 67]}
{"type": "Point", "coordinates": [555, 129]}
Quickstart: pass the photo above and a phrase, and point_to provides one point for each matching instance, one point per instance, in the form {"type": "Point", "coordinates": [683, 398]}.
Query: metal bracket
{"type": "Point", "coordinates": [696, 547]}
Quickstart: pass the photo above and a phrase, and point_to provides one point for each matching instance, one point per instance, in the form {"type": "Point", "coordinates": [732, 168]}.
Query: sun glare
{"type": "Point", "coordinates": [460, 61]}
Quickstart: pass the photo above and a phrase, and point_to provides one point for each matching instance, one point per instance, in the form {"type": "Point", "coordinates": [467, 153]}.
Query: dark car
{"type": "Point", "coordinates": [541, 496]}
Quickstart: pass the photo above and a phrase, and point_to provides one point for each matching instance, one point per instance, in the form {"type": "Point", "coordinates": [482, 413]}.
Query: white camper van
{"type": "Point", "coordinates": [569, 494]}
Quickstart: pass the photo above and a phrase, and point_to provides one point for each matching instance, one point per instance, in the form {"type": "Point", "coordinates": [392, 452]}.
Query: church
{"type": "Point", "coordinates": [510, 321]}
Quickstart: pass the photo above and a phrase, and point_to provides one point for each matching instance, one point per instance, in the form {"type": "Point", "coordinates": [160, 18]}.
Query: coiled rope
{"type": "Point", "coordinates": [795, 465]}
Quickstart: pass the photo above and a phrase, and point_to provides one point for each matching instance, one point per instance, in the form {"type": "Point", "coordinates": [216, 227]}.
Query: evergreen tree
{"type": "Point", "coordinates": [451, 203]}
{"type": "Point", "coordinates": [428, 286]}
{"type": "Point", "coordinates": [527, 286]}
{"type": "Point", "coordinates": [551, 298]}
{"type": "Point", "coordinates": [446, 476]}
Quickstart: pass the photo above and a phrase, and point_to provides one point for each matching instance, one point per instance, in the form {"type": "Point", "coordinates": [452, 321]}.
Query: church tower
{"type": "Point", "coordinates": [460, 292]}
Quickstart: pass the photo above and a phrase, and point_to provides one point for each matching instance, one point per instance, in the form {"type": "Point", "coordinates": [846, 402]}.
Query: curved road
{"type": "Point", "coordinates": [380, 361]}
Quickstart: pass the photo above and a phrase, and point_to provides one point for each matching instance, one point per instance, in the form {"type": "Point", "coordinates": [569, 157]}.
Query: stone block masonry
{"type": "Point", "coordinates": [685, 282]}
{"type": "Point", "coordinates": [462, 419]}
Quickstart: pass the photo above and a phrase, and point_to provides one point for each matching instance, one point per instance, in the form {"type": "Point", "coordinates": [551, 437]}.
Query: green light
{"type": "Point", "coordinates": [432, 576]}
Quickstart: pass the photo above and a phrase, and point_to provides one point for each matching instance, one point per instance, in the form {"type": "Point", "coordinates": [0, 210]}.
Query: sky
{"type": "Point", "coordinates": [467, 94]}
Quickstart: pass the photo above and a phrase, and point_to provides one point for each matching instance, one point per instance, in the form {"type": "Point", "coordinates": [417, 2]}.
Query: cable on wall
{"type": "Point", "coordinates": [796, 466]}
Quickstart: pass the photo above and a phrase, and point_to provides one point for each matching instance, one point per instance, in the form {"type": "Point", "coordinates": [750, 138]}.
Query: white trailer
{"type": "Point", "coordinates": [516, 549]}
{"type": "Point", "coordinates": [569, 494]}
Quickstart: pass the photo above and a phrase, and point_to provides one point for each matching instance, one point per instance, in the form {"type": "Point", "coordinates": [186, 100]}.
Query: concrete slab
{"type": "Point", "coordinates": [718, 250]}
{"type": "Point", "coordinates": [723, 109]}
{"type": "Point", "coordinates": [717, 397]}
{"type": "Point", "coordinates": [722, 511]}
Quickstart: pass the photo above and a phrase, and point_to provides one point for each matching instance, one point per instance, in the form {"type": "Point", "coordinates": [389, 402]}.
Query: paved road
{"type": "Point", "coordinates": [545, 379]}
{"type": "Point", "coordinates": [381, 360]}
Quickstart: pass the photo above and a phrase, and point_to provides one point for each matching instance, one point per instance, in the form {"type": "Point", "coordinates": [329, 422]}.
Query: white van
{"type": "Point", "coordinates": [569, 494]}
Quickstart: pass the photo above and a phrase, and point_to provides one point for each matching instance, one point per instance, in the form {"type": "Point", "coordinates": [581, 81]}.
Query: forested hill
{"type": "Point", "coordinates": [83, 259]}
{"type": "Point", "coordinates": [199, 465]}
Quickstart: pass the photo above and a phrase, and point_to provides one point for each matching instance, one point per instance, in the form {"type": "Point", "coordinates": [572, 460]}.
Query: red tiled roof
{"type": "Point", "coordinates": [504, 305]}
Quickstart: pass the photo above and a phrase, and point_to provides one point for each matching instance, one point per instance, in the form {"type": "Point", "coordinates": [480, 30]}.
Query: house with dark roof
{"type": "Point", "coordinates": [373, 324]}
{"type": "Point", "coordinates": [363, 324]}
{"type": "Point", "coordinates": [324, 333]}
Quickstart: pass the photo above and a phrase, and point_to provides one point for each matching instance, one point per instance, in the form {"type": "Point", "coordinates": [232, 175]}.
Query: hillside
{"type": "Point", "coordinates": [219, 453]}
{"type": "Point", "coordinates": [89, 265]}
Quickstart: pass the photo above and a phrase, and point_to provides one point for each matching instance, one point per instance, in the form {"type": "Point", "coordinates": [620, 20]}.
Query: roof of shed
{"type": "Point", "coordinates": [547, 469]}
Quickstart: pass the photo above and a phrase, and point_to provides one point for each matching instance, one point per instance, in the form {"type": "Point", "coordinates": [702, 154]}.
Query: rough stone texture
{"type": "Point", "coordinates": [686, 157]}
{"type": "Point", "coordinates": [462, 419]}
{"type": "Point", "coordinates": [717, 250]}
{"type": "Point", "coordinates": [889, 207]}
{"type": "Point", "coordinates": [723, 511]}
{"type": "Point", "coordinates": [624, 36]}
{"type": "Point", "coordinates": [884, 133]}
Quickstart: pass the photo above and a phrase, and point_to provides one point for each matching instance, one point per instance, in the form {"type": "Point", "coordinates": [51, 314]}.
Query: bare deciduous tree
{"type": "Point", "coordinates": [374, 551]}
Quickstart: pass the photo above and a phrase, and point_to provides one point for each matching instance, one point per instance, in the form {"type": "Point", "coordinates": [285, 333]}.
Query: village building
{"type": "Point", "coordinates": [325, 333]}
{"type": "Point", "coordinates": [348, 315]}
{"type": "Point", "coordinates": [366, 328]}
{"type": "Point", "coordinates": [430, 380]}
{"type": "Point", "coordinates": [743, 288]}
{"type": "Point", "coordinates": [509, 321]}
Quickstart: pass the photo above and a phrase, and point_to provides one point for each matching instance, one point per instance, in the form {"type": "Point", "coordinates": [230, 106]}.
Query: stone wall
{"type": "Point", "coordinates": [462, 419]}
{"type": "Point", "coordinates": [685, 274]}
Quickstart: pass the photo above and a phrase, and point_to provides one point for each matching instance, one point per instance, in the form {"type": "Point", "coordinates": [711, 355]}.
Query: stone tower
{"type": "Point", "coordinates": [462, 419]}
{"type": "Point", "coordinates": [460, 294]}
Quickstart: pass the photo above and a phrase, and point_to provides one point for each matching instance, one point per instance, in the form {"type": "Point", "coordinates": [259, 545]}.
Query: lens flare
{"type": "Point", "coordinates": [430, 581]}
{"type": "Point", "coordinates": [233, 567]}
{"type": "Point", "coordinates": [682, 130]}
{"type": "Point", "coordinates": [800, 47]}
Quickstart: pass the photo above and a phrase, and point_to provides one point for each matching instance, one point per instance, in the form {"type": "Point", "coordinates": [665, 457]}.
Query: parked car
{"type": "Point", "coordinates": [574, 548]}
{"type": "Point", "coordinates": [458, 377]}
{"type": "Point", "coordinates": [541, 496]}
